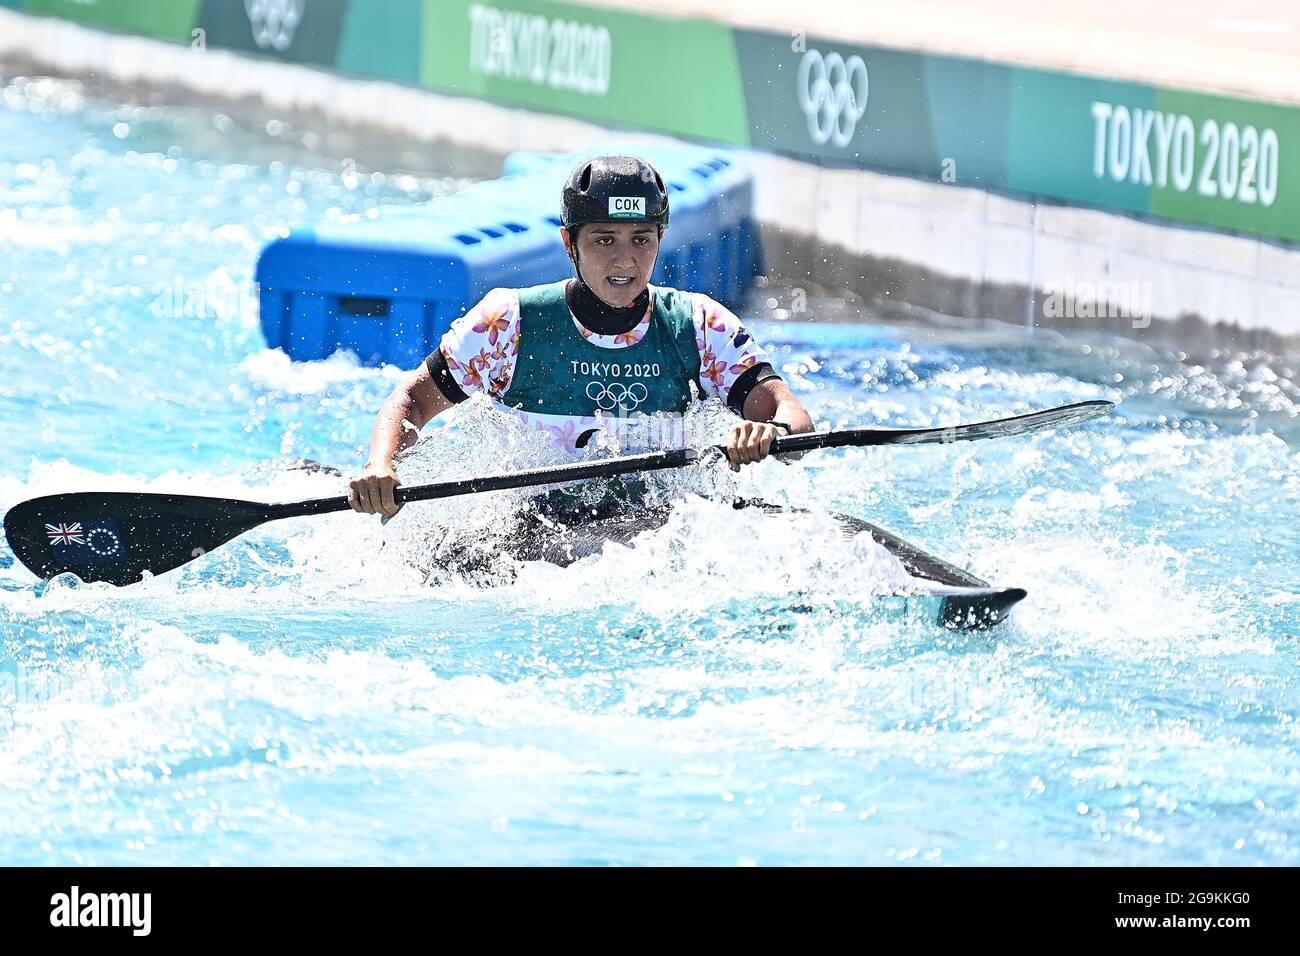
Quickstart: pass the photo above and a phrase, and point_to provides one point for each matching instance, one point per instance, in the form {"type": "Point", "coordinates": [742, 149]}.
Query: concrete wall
{"type": "Point", "coordinates": [967, 252]}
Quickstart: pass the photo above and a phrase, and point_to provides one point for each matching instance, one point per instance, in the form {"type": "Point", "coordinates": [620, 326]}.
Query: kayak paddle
{"type": "Point", "coordinates": [116, 536]}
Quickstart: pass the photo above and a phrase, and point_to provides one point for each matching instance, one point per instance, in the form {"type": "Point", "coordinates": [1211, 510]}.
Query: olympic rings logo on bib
{"type": "Point", "coordinates": [832, 95]}
{"type": "Point", "coordinates": [617, 395]}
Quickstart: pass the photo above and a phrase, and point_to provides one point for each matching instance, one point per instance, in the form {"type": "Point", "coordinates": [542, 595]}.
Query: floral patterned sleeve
{"type": "Point", "coordinates": [727, 350]}
{"type": "Point", "coordinates": [481, 346]}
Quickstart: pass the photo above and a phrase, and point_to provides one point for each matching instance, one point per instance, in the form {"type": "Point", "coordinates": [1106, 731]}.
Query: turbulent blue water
{"type": "Point", "coordinates": [305, 695]}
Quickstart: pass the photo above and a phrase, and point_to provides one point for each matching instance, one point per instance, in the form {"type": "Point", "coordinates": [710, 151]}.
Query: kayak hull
{"type": "Point", "coordinates": [953, 597]}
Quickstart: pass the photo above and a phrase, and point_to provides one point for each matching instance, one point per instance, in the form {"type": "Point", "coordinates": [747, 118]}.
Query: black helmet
{"type": "Point", "coordinates": [614, 189]}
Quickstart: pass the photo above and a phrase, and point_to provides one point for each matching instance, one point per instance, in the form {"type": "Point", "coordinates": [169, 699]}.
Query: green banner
{"type": "Point", "coordinates": [1050, 148]}
{"type": "Point", "coordinates": [381, 38]}
{"type": "Point", "coordinates": [815, 98]}
{"type": "Point", "coordinates": [167, 19]}
{"type": "Point", "coordinates": [1210, 160]}
{"type": "Point", "coordinates": [938, 117]}
{"type": "Point", "coordinates": [968, 119]}
{"type": "Point", "coordinates": [292, 30]}
{"type": "Point", "coordinates": [630, 70]}
{"type": "Point", "coordinates": [1202, 159]}
{"type": "Point", "coordinates": [1243, 171]}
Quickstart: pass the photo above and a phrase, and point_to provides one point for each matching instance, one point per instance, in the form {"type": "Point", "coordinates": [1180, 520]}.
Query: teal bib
{"type": "Point", "coordinates": [567, 384]}
{"type": "Point", "coordinates": [561, 372]}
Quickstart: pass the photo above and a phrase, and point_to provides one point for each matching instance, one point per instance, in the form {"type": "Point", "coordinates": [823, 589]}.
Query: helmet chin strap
{"type": "Point", "coordinates": [573, 257]}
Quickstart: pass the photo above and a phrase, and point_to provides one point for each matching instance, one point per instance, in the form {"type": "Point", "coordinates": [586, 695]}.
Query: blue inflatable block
{"type": "Point", "coordinates": [388, 286]}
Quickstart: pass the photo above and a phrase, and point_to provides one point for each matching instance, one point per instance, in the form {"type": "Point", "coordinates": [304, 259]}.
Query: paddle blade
{"type": "Point", "coordinates": [998, 428]}
{"type": "Point", "coordinates": [117, 536]}
{"type": "Point", "coordinates": [1060, 417]}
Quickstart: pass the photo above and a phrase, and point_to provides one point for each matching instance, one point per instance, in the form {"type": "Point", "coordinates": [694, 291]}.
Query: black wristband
{"type": "Point", "coordinates": [786, 425]}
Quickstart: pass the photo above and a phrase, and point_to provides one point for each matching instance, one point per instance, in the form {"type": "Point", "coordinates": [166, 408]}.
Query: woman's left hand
{"type": "Point", "coordinates": [750, 442]}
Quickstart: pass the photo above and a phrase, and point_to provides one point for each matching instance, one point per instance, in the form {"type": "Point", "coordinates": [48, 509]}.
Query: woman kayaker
{"type": "Point", "coordinates": [603, 350]}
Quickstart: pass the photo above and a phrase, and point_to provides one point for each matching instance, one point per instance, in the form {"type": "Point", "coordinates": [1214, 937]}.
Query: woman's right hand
{"type": "Point", "coordinates": [371, 492]}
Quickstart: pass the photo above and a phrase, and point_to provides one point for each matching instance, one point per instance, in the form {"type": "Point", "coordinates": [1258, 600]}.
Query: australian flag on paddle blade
{"type": "Point", "coordinates": [86, 542]}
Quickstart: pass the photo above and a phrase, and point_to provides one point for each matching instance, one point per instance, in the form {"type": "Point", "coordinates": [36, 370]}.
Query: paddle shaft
{"type": "Point", "coordinates": [679, 458]}
{"type": "Point", "coordinates": [655, 461]}
{"type": "Point", "coordinates": [608, 468]}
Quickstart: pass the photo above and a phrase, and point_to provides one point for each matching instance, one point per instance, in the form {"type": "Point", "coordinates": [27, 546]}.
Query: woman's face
{"type": "Point", "coordinates": [615, 259]}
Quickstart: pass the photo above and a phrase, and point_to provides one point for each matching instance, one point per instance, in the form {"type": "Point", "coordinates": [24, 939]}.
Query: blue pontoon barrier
{"type": "Point", "coordinates": [387, 287]}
